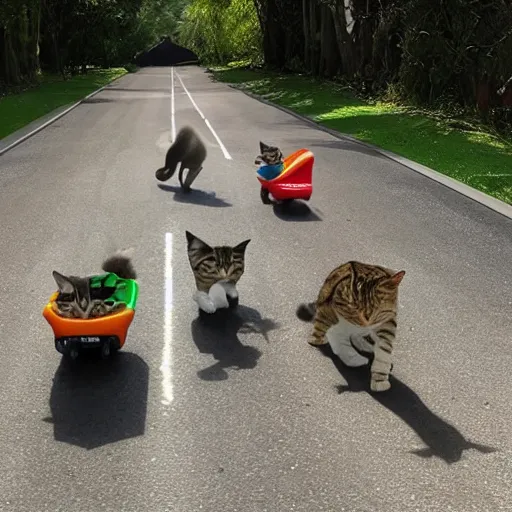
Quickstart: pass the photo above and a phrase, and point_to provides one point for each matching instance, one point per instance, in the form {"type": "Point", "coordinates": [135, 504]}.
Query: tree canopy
{"type": "Point", "coordinates": [428, 51]}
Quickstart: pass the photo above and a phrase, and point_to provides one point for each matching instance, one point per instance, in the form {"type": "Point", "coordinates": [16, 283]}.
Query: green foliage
{"type": "Point", "coordinates": [17, 110]}
{"type": "Point", "coordinates": [471, 155]}
{"type": "Point", "coordinates": [130, 68]}
{"type": "Point", "coordinates": [449, 47]}
{"type": "Point", "coordinates": [219, 31]}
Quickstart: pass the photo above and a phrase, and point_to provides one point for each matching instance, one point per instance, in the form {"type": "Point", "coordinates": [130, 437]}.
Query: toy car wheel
{"type": "Point", "coordinates": [106, 349]}
{"type": "Point", "coordinates": [73, 354]}
{"type": "Point", "coordinates": [110, 348]}
{"type": "Point", "coordinates": [204, 315]}
{"type": "Point", "coordinates": [59, 346]}
{"type": "Point", "coordinates": [264, 195]}
{"type": "Point", "coordinates": [233, 303]}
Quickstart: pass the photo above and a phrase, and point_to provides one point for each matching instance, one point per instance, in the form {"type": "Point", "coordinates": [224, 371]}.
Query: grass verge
{"type": "Point", "coordinates": [474, 156]}
{"type": "Point", "coordinates": [17, 110]}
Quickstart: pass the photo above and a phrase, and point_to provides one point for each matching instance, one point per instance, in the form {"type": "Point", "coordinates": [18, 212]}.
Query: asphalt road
{"type": "Point", "coordinates": [253, 424]}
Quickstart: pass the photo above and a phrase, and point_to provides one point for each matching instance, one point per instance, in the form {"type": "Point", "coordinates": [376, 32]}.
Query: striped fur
{"type": "Point", "coordinates": [76, 298]}
{"type": "Point", "coordinates": [213, 264]}
{"type": "Point", "coordinates": [356, 313]}
{"type": "Point", "coordinates": [271, 155]}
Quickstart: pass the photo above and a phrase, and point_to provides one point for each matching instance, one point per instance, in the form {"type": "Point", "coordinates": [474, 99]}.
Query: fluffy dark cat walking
{"type": "Point", "coordinates": [188, 149]}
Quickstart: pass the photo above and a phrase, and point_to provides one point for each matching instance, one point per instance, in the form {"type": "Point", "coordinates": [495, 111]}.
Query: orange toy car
{"type": "Point", "coordinates": [72, 335]}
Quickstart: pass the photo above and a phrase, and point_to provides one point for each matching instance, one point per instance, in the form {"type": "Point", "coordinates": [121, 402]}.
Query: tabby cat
{"type": "Point", "coordinates": [270, 155]}
{"type": "Point", "coordinates": [272, 165]}
{"type": "Point", "coordinates": [78, 299]}
{"type": "Point", "coordinates": [356, 313]}
{"type": "Point", "coordinates": [216, 270]}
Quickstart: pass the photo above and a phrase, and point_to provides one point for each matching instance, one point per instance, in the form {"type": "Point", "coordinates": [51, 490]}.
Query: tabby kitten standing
{"type": "Point", "coordinates": [356, 313]}
{"type": "Point", "coordinates": [216, 270]}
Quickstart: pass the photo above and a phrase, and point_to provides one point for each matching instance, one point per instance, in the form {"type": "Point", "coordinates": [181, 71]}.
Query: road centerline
{"type": "Point", "coordinates": [173, 109]}
{"type": "Point", "coordinates": [166, 366]}
{"type": "Point", "coordinates": [227, 156]}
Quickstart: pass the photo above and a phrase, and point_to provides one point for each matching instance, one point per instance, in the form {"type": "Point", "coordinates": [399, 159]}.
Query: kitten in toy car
{"type": "Point", "coordinates": [80, 297]}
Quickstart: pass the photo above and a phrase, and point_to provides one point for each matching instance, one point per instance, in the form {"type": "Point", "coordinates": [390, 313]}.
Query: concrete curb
{"type": "Point", "coordinates": [44, 124]}
{"type": "Point", "coordinates": [490, 202]}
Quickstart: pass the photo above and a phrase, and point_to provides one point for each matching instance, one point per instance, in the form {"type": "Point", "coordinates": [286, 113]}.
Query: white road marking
{"type": "Point", "coordinates": [166, 367]}
{"type": "Point", "coordinates": [173, 111]}
{"type": "Point", "coordinates": [217, 138]}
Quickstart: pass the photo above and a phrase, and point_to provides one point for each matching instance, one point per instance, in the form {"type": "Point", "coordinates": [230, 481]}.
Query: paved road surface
{"type": "Point", "coordinates": [254, 424]}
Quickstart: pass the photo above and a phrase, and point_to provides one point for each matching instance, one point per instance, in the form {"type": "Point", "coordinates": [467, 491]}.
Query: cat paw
{"type": "Point", "coordinates": [316, 342]}
{"type": "Point", "coordinates": [204, 302]}
{"type": "Point", "coordinates": [378, 386]}
{"type": "Point", "coordinates": [231, 291]}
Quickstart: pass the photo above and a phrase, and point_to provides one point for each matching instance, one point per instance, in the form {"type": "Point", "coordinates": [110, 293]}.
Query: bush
{"type": "Point", "coordinates": [131, 68]}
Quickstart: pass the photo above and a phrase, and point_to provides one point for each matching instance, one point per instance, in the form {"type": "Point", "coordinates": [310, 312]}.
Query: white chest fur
{"type": "Point", "coordinates": [217, 297]}
{"type": "Point", "coordinates": [340, 337]}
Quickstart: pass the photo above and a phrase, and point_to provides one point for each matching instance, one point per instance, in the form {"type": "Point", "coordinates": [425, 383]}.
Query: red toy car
{"type": "Point", "coordinates": [295, 182]}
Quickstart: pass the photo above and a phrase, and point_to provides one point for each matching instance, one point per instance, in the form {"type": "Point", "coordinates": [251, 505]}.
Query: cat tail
{"type": "Point", "coordinates": [163, 174]}
{"type": "Point", "coordinates": [306, 311]}
{"type": "Point", "coordinates": [120, 263]}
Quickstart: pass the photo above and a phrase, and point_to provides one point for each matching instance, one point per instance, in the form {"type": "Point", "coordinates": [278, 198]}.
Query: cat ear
{"type": "Point", "coordinates": [240, 248]}
{"type": "Point", "coordinates": [396, 279]}
{"type": "Point", "coordinates": [64, 284]}
{"type": "Point", "coordinates": [195, 243]}
{"type": "Point", "coordinates": [263, 147]}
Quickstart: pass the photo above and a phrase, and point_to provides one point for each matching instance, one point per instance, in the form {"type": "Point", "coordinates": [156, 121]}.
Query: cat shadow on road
{"type": "Point", "coordinates": [441, 439]}
{"type": "Point", "coordinates": [95, 402]}
{"type": "Point", "coordinates": [195, 196]}
{"type": "Point", "coordinates": [295, 211]}
{"type": "Point", "coordinates": [217, 335]}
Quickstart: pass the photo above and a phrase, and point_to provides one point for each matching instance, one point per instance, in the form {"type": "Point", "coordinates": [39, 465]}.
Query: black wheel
{"type": "Point", "coordinates": [204, 315]}
{"type": "Point", "coordinates": [264, 194]}
{"type": "Point", "coordinates": [110, 348]}
{"type": "Point", "coordinates": [233, 303]}
{"type": "Point", "coordinates": [73, 354]}
{"type": "Point", "coordinates": [106, 349]}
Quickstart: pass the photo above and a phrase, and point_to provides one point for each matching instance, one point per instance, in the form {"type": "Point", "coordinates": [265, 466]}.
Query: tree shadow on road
{"type": "Point", "coordinates": [165, 90]}
{"type": "Point", "coordinates": [217, 335]}
{"type": "Point", "coordinates": [296, 211]}
{"type": "Point", "coordinates": [195, 196]}
{"type": "Point", "coordinates": [95, 99]}
{"type": "Point", "coordinates": [95, 402]}
{"type": "Point", "coordinates": [442, 439]}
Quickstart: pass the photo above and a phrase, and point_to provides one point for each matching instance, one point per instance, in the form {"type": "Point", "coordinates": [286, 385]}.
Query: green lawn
{"type": "Point", "coordinates": [477, 158]}
{"type": "Point", "coordinates": [17, 110]}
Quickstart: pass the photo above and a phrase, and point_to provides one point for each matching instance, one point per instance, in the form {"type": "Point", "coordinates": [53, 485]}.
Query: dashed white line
{"type": "Point", "coordinates": [173, 110]}
{"type": "Point", "coordinates": [217, 138]}
{"type": "Point", "coordinates": [166, 367]}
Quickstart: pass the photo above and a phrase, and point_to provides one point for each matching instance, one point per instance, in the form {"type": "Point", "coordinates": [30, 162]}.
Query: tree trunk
{"type": "Point", "coordinates": [343, 40]}
{"type": "Point", "coordinates": [329, 58]}
{"type": "Point", "coordinates": [307, 35]}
